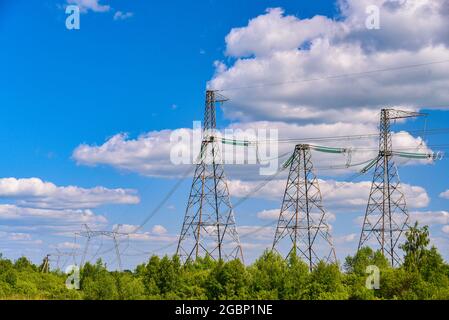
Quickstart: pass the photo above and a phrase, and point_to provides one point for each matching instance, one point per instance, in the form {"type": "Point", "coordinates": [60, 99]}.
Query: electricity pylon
{"type": "Point", "coordinates": [59, 254]}
{"type": "Point", "coordinates": [46, 264]}
{"type": "Point", "coordinates": [386, 217]}
{"type": "Point", "coordinates": [209, 227]}
{"type": "Point", "coordinates": [114, 235]}
{"type": "Point", "coordinates": [302, 228]}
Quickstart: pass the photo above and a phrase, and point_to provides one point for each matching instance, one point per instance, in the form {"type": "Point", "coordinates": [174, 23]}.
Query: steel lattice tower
{"type": "Point", "coordinates": [46, 264]}
{"type": "Point", "coordinates": [91, 234]}
{"type": "Point", "coordinates": [302, 220]}
{"type": "Point", "coordinates": [386, 217]}
{"type": "Point", "coordinates": [209, 226]}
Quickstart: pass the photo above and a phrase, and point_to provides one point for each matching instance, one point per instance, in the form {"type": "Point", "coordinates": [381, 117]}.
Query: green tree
{"type": "Point", "coordinates": [356, 275]}
{"type": "Point", "coordinates": [227, 281]}
{"type": "Point", "coordinates": [326, 283]}
{"type": "Point", "coordinates": [415, 247]}
{"type": "Point", "coordinates": [97, 283]}
{"type": "Point", "coordinates": [296, 279]}
{"type": "Point", "coordinates": [268, 277]}
{"type": "Point", "coordinates": [129, 286]}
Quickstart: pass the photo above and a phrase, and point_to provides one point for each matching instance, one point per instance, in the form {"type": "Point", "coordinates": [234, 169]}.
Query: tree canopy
{"type": "Point", "coordinates": [423, 275]}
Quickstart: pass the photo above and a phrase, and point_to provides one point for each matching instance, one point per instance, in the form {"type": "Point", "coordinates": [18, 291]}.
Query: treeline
{"type": "Point", "coordinates": [423, 275]}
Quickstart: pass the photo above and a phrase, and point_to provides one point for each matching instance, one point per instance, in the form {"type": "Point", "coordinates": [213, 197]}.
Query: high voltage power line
{"type": "Point", "coordinates": [187, 172]}
{"type": "Point", "coordinates": [334, 77]}
{"type": "Point", "coordinates": [177, 185]}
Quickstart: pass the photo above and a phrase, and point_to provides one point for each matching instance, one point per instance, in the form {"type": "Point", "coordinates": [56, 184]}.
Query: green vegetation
{"type": "Point", "coordinates": [424, 275]}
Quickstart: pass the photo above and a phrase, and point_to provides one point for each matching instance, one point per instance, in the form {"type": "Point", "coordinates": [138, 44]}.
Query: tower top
{"type": "Point", "coordinates": [392, 114]}
{"type": "Point", "coordinates": [216, 97]}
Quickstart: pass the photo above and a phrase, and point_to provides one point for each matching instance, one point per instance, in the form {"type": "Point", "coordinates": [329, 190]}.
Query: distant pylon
{"type": "Point", "coordinates": [302, 228]}
{"type": "Point", "coordinates": [113, 235]}
{"type": "Point", "coordinates": [46, 264]}
{"type": "Point", "coordinates": [386, 217]}
{"type": "Point", "coordinates": [209, 226]}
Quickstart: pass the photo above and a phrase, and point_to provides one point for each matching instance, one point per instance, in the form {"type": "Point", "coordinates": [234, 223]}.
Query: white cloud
{"type": "Point", "coordinates": [276, 47]}
{"type": "Point", "coordinates": [272, 32]}
{"type": "Point", "coordinates": [51, 216]}
{"type": "Point", "coordinates": [257, 232]}
{"type": "Point", "coordinates": [34, 192]}
{"type": "Point", "coordinates": [15, 236]}
{"type": "Point", "coordinates": [445, 194]}
{"type": "Point", "coordinates": [68, 245]}
{"type": "Point", "coordinates": [159, 230]}
{"type": "Point", "coordinates": [272, 214]}
{"type": "Point", "coordinates": [90, 5]}
{"type": "Point", "coordinates": [348, 238]}
{"type": "Point", "coordinates": [430, 217]}
{"type": "Point", "coordinates": [283, 48]}
{"type": "Point", "coordinates": [445, 229]}
{"type": "Point", "coordinates": [158, 233]}
{"type": "Point", "coordinates": [119, 15]}
{"type": "Point", "coordinates": [20, 238]}
{"type": "Point", "coordinates": [149, 154]}
{"type": "Point", "coordinates": [405, 25]}
{"type": "Point", "coordinates": [336, 194]}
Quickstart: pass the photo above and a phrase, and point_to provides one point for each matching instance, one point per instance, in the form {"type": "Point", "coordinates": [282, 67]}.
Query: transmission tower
{"type": "Point", "coordinates": [209, 226]}
{"type": "Point", "coordinates": [114, 235]}
{"type": "Point", "coordinates": [59, 254]}
{"type": "Point", "coordinates": [46, 264]}
{"type": "Point", "coordinates": [302, 228]}
{"type": "Point", "coordinates": [386, 217]}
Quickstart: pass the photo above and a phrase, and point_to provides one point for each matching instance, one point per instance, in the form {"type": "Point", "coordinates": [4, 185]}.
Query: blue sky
{"type": "Point", "coordinates": [61, 89]}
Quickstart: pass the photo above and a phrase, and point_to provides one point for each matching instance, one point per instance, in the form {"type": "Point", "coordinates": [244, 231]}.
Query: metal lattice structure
{"type": "Point", "coordinates": [58, 255]}
{"type": "Point", "coordinates": [46, 264]}
{"type": "Point", "coordinates": [91, 234]}
{"type": "Point", "coordinates": [386, 217]}
{"type": "Point", "coordinates": [302, 228]}
{"type": "Point", "coordinates": [209, 227]}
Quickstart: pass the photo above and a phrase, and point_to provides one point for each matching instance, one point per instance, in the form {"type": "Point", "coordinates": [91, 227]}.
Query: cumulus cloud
{"type": "Point", "coordinates": [279, 48]}
{"type": "Point", "coordinates": [159, 230]}
{"type": "Point", "coordinates": [19, 238]}
{"type": "Point", "coordinates": [15, 236]}
{"type": "Point", "coordinates": [273, 32]}
{"type": "Point", "coordinates": [445, 194]}
{"type": "Point", "coordinates": [119, 15]}
{"type": "Point", "coordinates": [51, 216]}
{"type": "Point", "coordinates": [271, 214]}
{"type": "Point", "coordinates": [90, 5]}
{"type": "Point", "coordinates": [68, 245]}
{"type": "Point", "coordinates": [257, 232]}
{"type": "Point", "coordinates": [34, 192]}
{"type": "Point", "coordinates": [158, 233]}
{"type": "Point", "coordinates": [283, 48]}
{"type": "Point", "coordinates": [430, 218]}
{"type": "Point", "coordinates": [336, 194]}
{"type": "Point", "coordinates": [348, 238]}
{"type": "Point", "coordinates": [151, 154]}
{"type": "Point", "coordinates": [404, 25]}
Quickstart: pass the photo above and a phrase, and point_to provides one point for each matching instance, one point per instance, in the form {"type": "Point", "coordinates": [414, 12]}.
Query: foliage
{"type": "Point", "coordinates": [423, 275]}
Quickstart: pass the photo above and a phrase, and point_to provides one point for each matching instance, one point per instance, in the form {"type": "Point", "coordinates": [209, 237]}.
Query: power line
{"type": "Point", "coordinates": [334, 77]}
